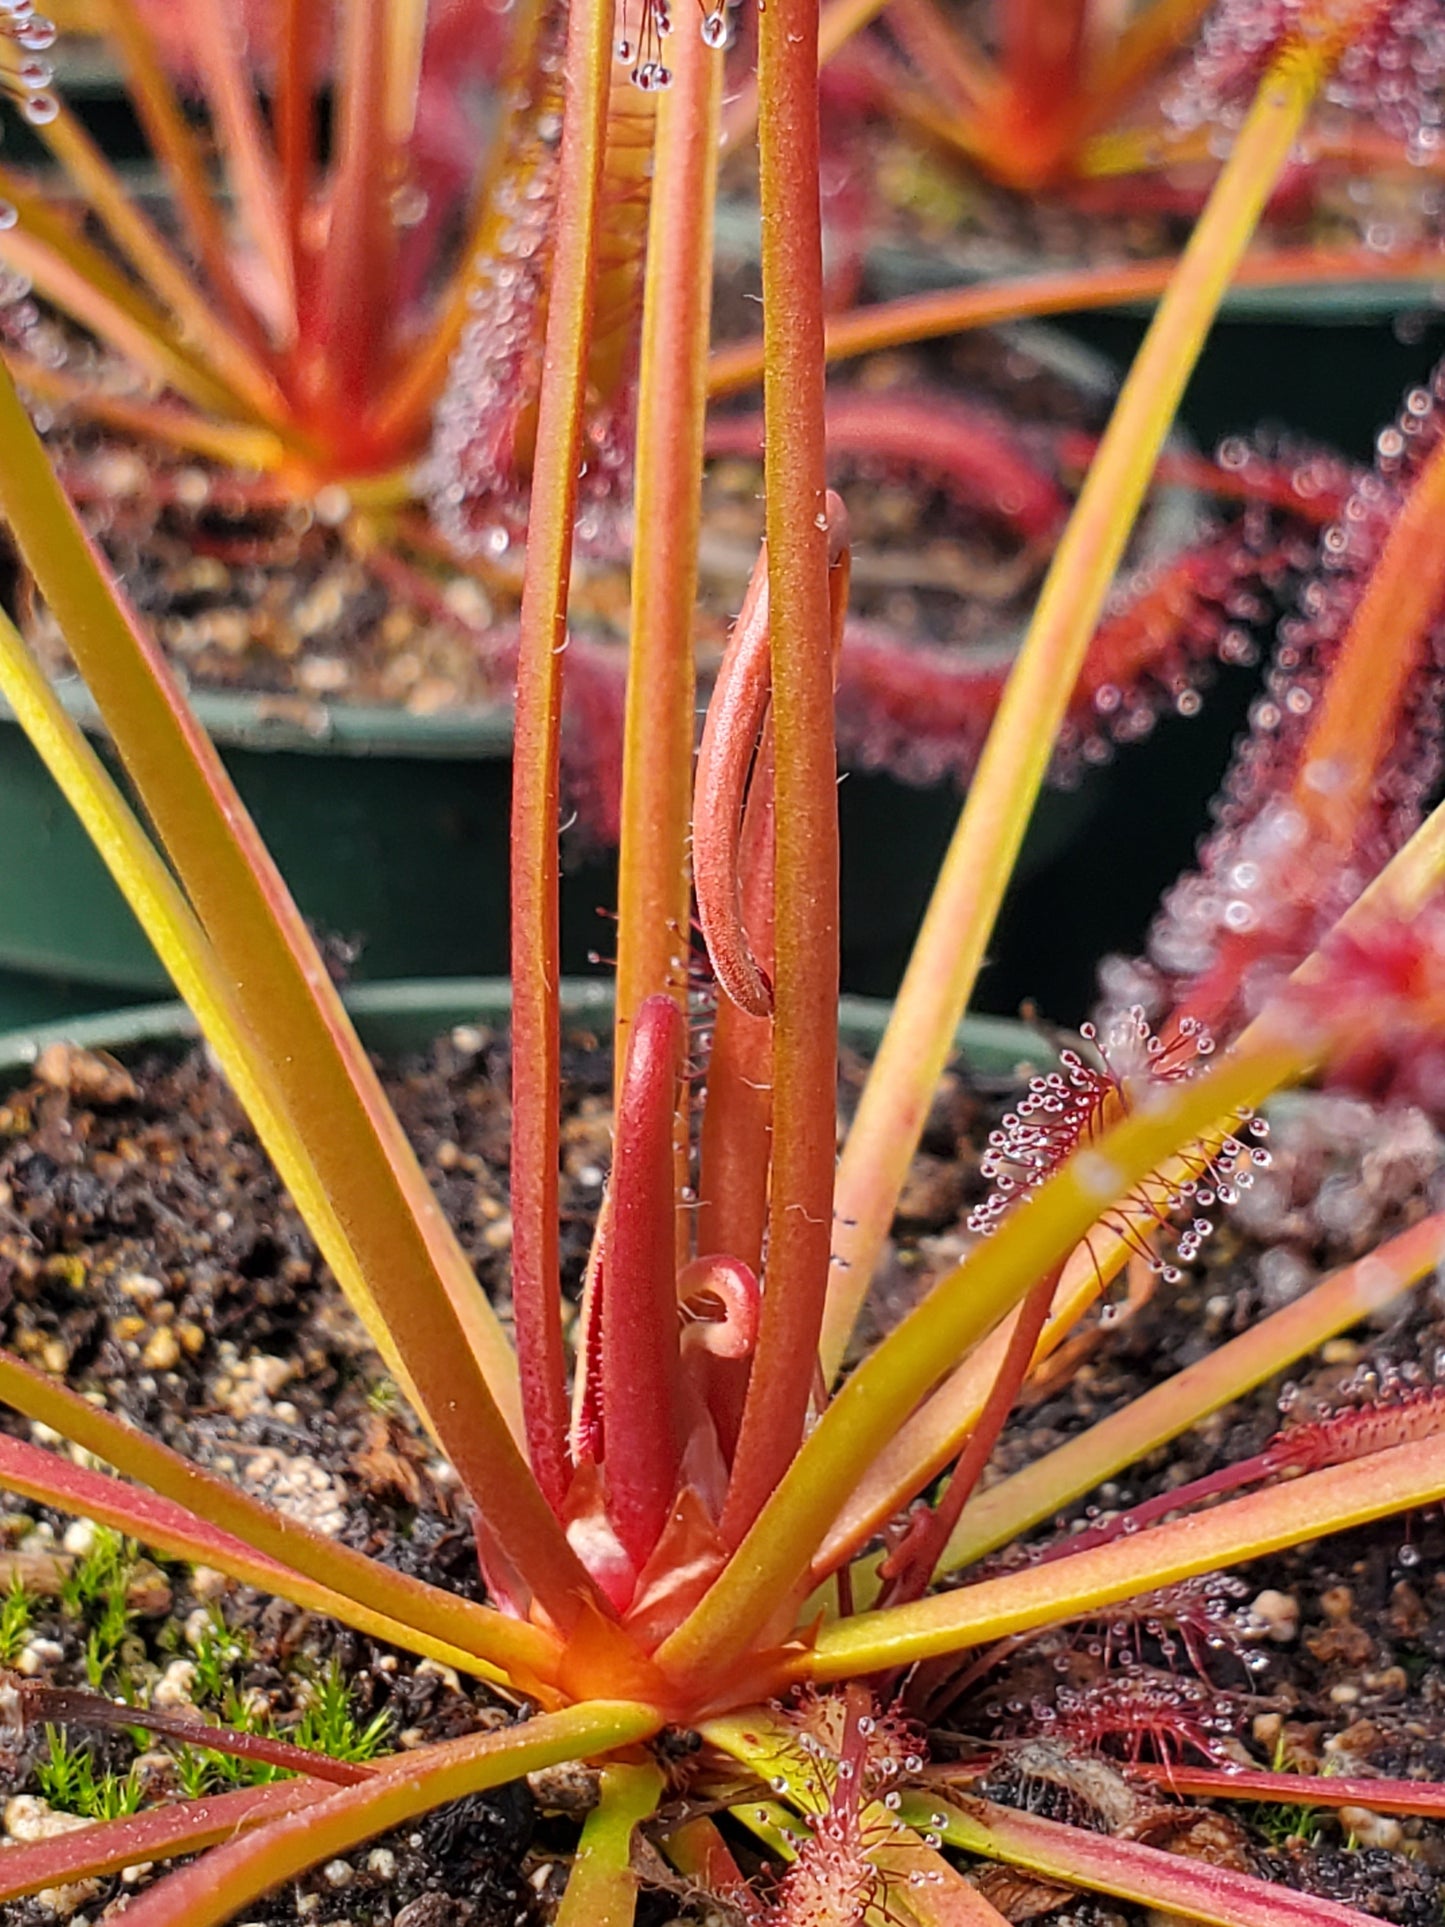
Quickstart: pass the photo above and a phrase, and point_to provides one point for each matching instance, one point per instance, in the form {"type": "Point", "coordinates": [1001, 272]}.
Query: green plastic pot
{"type": "Point", "coordinates": [399, 1017]}
{"type": "Point", "coordinates": [390, 829]}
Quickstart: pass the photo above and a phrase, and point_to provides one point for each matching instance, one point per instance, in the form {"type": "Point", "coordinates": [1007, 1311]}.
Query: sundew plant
{"type": "Point", "coordinates": [687, 1527]}
{"type": "Point", "coordinates": [333, 232]}
{"type": "Point", "coordinates": [306, 343]}
{"type": "Point", "coordinates": [308, 327]}
{"type": "Point", "coordinates": [1103, 108]}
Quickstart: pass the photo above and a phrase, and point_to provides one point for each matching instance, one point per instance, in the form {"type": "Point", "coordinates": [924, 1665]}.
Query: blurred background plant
{"type": "Point", "coordinates": [676, 1512]}
{"type": "Point", "coordinates": [242, 342]}
{"type": "Point", "coordinates": [1015, 135]}
{"type": "Point", "coordinates": [257, 454]}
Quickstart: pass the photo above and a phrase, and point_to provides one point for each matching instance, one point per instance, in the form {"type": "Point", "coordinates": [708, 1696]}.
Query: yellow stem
{"type": "Point", "coordinates": [276, 1546]}
{"type": "Point", "coordinates": [980, 860]}
{"type": "Point", "coordinates": [175, 427]}
{"type": "Point", "coordinates": [1036, 1493]}
{"type": "Point", "coordinates": [602, 1888]}
{"type": "Point", "coordinates": [217, 43]}
{"type": "Point", "coordinates": [177, 147]}
{"type": "Point", "coordinates": [1333, 1500]}
{"type": "Point", "coordinates": [81, 281]}
{"type": "Point", "coordinates": [213, 1889]}
{"type": "Point", "coordinates": [936, 1432]}
{"type": "Point", "coordinates": [171, 1538]}
{"type": "Point", "coordinates": [405, 46]}
{"type": "Point", "coordinates": [186, 952]}
{"type": "Point", "coordinates": [922, 317]}
{"type": "Point", "coordinates": [1141, 150]}
{"type": "Point", "coordinates": [1339, 1301]}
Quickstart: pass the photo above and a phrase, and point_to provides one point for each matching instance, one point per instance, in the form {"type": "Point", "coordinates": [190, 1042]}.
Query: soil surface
{"type": "Point", "coordinates": [148, 1254]}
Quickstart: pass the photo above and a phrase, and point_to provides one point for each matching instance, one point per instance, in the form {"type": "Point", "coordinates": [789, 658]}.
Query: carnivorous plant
{"type": "Point", "coordinates": [679, 1526]}
{"type": "Point", "coordinates": [1100, 108]}
{"type": "Point", "coordinates": [213, 376]}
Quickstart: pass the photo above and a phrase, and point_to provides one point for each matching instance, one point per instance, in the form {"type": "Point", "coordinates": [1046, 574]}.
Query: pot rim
{"type": "Point", "coordinates": [249, 719]}
{"type": "Point", "coordinates": [995, 1046]}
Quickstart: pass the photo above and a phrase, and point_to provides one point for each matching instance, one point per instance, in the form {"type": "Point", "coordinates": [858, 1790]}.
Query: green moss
{"type": "Point", "coordinates": [383, 1396]}
{"type": "Point", "coordinates": [328, 1725]}
{"type": "Point", "coordinates": [1277, 1826]}
{"type": "Point", "coordinates": [16, 1616]}
{"type": "Point", "coordinates": [68, 1781]}
{"type": "Point", "coordinates": [97, 1590]}
{"type": "Point", "coordinates": [217, 1655]}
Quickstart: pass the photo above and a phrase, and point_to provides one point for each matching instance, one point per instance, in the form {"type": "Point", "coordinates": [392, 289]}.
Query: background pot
{"type": "Point", "coordinates": [392, 829]}
{"type": "Point", "coordinates": [1330, 365]}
